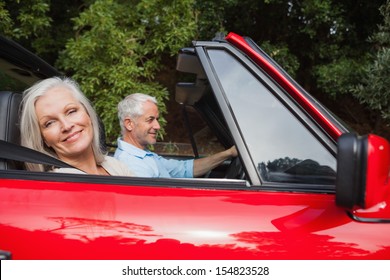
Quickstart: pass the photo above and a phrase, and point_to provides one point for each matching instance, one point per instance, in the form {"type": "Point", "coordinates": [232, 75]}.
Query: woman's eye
{"type": "Point", "coordinates": [47, 124]}
{"type": "Point", "coordinates": [71, 111]}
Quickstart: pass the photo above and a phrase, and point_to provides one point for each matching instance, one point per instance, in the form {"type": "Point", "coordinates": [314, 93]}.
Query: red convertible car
{"type": "Point", "coordinates": [303, 187]}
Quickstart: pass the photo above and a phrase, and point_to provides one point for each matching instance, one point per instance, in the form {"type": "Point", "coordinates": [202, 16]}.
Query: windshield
{"type": "Point", "coordinates": [282, 148]}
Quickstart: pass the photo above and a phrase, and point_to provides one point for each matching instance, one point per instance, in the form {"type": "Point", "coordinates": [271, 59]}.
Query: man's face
{"type": "Point", "coordinates": [143, 130]}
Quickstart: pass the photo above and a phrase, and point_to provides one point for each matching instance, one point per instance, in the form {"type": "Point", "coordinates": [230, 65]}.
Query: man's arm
{"type": "Point", "coordinates": [204, 165]}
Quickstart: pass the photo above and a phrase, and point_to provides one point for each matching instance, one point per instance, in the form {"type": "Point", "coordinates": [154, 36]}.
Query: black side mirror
{"type": "Point", "coordinates": [363, 166]}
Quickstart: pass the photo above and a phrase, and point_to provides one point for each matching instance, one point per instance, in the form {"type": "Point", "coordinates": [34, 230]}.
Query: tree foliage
{"type": "Point", "coordinates": [374, 89]}
{"type": "Point", "coordinates": [22, 20]}
{"type": "Point", "coordinates": [321, 43]}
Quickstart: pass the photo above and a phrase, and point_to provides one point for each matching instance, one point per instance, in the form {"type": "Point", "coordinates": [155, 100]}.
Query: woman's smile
{"type": "Point", "coordinates": [73, 136]}
{"type": "Point", "coordinates": [64, 123]}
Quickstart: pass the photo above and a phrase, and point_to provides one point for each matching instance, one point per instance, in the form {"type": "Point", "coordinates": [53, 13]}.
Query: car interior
{"type": "Point", "coordinates": [199, 96]}
{"type": "Point", "coordinates": [9, 128]}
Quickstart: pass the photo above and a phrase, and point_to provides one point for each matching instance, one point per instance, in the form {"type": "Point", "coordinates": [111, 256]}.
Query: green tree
{"type": "Point", "coordinates": [22, 20]}
{"type": "Point", "coordinates": [374, 89]}
{"type": "Point", "coordinates": [245, 17]}
{"type": "Point", "coordinates": [321, 43]}
{"type": "Point", "coordinates": [42, 26]}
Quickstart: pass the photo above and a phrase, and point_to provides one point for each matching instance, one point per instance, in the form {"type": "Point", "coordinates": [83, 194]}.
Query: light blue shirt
{"type": "Point", "coordinates": [144, 163]}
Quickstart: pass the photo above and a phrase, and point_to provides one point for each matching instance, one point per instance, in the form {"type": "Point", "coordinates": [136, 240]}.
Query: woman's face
{"type": "Point", "coordinates": [64, 123]}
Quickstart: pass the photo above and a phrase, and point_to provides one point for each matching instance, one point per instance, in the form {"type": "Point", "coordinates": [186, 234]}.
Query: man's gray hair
{"type": "Point", "coordinates": [132, 107]}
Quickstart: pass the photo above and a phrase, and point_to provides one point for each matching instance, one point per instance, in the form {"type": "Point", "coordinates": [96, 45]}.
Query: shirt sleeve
{"type": "Point", "coordinates": [178, 168]}
{"type": "Point", "coordinates": [141, 167]}
{"type": "Point", "coordinates": [144, 163]}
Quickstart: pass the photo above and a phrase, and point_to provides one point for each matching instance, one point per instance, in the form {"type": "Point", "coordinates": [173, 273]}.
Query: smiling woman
{"type": "Point", "coordinates": [57, 119]}
{"type": "Point", "coordinates": [64, 124]}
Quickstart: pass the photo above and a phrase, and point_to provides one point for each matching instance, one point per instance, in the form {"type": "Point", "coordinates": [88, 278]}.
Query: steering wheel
{"type": "Point", "coordinates": [235, 170]}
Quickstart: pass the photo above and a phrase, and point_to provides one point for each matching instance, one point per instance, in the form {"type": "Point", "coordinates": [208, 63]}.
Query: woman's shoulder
{"type": "Point", "coordinates": [116, 167]}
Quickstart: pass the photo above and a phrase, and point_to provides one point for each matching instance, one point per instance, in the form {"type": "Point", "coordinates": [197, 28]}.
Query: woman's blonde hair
{"type": "Point", "coordinates": [29, 128]}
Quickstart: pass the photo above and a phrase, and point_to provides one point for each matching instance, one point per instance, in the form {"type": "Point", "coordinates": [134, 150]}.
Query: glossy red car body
{"type": "Point", "coordinates": [52, 216]}
{"type": "Point", "coordinates": [84, 221]}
